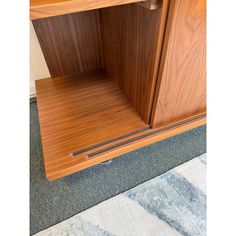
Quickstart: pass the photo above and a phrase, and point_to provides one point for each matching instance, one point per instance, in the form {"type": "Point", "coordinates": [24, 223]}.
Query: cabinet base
{"type": "Point", "coordinates": [87, 120]}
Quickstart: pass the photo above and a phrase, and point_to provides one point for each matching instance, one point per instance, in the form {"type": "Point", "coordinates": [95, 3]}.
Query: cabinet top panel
{"type": "Point", "coordinates": [46, 8]}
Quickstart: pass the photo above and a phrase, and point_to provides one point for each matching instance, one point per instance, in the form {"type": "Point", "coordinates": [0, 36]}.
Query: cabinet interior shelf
{"type": "Point", "coordinates": [47, 8]}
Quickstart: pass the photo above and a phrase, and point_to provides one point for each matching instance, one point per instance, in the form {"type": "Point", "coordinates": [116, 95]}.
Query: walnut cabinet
{"type": "Point", "coordinates": [124, 74]}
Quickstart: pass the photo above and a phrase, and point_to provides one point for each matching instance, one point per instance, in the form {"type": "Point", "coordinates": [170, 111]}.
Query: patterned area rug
{"type": "Point", "coordinates": [173, 203]}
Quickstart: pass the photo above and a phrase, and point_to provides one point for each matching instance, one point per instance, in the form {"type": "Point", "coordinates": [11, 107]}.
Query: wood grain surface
{"type": "Point", "coordinates": [132, 38]}
{"type": "Point", "coordinates": [181, 87]}
{"type": "Point", "coordinates": [128, 38]}
{"type": "Point", "coordinates": [77, 113]}
{"type": "Point", "coordinates": [71, 44]}
{"type": "Point", "coordinates": [46, 8]}
{"type": "Point", "coordinates": [62, 168]}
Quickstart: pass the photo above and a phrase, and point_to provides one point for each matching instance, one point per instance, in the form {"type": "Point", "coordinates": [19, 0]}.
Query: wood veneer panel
{"type": "Point", "coordinates": [78, 113]}
{"type": "Point", "coordinates": [181, 88]}
{"type": "Point", "coordinates": [71, 44]}
{"type": "Point", "coordinates": [61, 168]}
{"type": "Point", "coordinates": [47, 8]}
{"type": "Point", "coordinates": [132, 39]}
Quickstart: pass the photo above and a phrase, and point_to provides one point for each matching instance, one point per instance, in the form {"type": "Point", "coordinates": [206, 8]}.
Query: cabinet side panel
{"type": "Point", "coordinates": [131, 37]}
{"type": "Point", "coordinates": [71, 44]}
{"type": "Point", "coordinates": [181, 88]}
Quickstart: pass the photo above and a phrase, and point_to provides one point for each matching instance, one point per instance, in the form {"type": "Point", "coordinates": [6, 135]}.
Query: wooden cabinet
{"type": "Point", "coordinates": [124, 75]}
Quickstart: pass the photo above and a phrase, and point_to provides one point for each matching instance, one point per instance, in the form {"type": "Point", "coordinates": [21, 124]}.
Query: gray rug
{"type": "Point", "coordinates": [171, 204]}
{"type": "Point", "coordinates": [53, 202]}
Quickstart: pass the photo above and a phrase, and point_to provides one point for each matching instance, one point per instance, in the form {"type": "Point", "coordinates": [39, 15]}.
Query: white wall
{"type": "Point", "coordinates": [38, 67]}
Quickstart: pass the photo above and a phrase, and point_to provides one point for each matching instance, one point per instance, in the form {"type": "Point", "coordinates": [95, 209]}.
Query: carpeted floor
{"type": "Point", "coordinates": [53, 202]}
{"type": "Point", "coordinates": [171, 204]}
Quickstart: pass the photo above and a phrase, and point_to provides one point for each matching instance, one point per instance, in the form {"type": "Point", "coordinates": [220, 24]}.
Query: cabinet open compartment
{"type": "Point", "coordinates": [79, 116]}
{"type": "Point", "coordinates": [103, 65]}
{"type": "Point", "coordinates": [119, 78]}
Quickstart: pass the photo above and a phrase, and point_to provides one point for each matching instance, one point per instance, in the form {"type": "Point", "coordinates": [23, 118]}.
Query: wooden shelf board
{"type": "Point", "coordinates": [47, 8]}
{"type": "Point", "coordinates": [76, 113]}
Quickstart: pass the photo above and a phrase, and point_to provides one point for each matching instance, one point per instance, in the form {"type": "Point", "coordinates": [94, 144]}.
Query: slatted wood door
{"type": "Point", "coordinates": [181, 86]}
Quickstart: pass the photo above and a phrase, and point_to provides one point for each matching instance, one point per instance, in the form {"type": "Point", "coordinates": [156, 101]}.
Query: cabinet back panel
{"type": "Point", "coordinates": [71, 44]}
{"type": "Point", "coordinates": [132, 40]}
{"type": "Point", "coordinates": [181, 88]}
